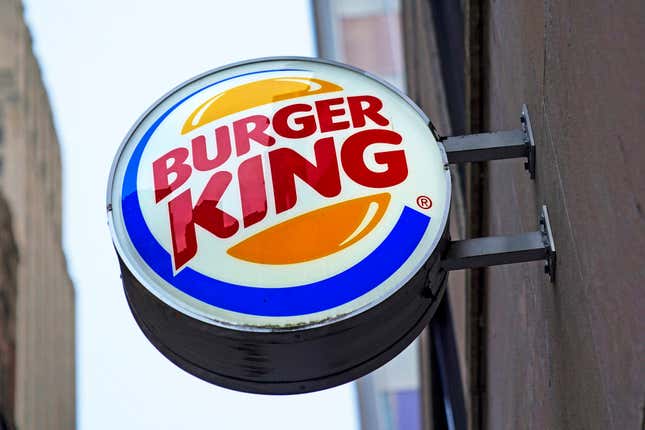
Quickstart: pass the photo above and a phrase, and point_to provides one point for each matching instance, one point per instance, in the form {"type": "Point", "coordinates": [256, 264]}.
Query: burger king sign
{"type": "Point", "coordinates": [279, 224]}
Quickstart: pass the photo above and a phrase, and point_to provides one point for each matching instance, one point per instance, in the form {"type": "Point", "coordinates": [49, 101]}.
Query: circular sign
{"type": "Point", "coordinates": [278, 200]}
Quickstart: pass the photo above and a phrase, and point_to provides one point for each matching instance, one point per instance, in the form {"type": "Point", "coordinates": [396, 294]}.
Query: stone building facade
{"type": "Point", "coordinates": [8, 269]}
{"type": "Point", "coordinates": [30, 179]}
{"type": "Point", "coordinates": [567, 355]}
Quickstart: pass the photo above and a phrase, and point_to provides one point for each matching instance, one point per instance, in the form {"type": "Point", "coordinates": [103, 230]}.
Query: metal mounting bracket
{"type": "Point", "coordinates": [518, 143]}
{"type": "Point", "coordinates": [496, 250]}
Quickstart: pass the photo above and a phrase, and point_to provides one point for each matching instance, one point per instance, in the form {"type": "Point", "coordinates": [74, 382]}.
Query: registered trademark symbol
{"type": "Point", "coordinates": [424, 202]}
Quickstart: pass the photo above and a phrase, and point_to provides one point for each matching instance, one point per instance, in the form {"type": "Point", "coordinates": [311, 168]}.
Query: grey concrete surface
{"type": "Point", "coordinates": [569, 355]}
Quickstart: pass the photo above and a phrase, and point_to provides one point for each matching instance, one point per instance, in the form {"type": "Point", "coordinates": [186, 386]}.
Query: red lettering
{"type": "Point", "coordinates": [296, 121]}
{"type": "Point", "coordinates": [286, 164]}
{"type": "Point", "coordinates": [244, 135]}
{"type": "Point", "coordinates": [252, 190]}
{"type": "Point", "coordinates": [326, 115]}
{"type": "Point", "coordinates": [206, 214]}
{"type": "Point", "coordinates": [307, 123]}
{"type": "Point", "coordinates": [161, 172]}
{"type": "Point", "coordinates": [353, 161]}
{"type": "Point", "coordinates": [371, 110]}
{"type": "Point", "coordinates": [200, 152]}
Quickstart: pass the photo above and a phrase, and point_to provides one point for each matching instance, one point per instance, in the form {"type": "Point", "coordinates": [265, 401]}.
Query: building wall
{"type": "Point", "coordinates": [8, 269]}
{"type": "Point", "coordinates": [30, 177]}
{"type": "Point", "coordinates": [363, 33]}
{"type": "Point", "coordinates": [539, 355]}
{"type": "Point", "coordinates": [568, 355]}
{"type": "Point", "coordinates": [426, 86]}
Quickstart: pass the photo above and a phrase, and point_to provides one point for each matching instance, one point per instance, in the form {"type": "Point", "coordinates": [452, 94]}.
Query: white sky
{"type": "Point", "coordinates": [104, 63]}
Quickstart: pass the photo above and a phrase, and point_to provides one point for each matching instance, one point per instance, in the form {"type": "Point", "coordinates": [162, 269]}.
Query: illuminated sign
{"type": "Point", "coordinates": [270, 199]}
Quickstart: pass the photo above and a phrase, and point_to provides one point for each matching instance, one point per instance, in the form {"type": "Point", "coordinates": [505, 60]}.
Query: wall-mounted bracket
{"type": "Point", "coordinates": [518, 143]}
{"type": "Point", "coordinates": [496, 250]}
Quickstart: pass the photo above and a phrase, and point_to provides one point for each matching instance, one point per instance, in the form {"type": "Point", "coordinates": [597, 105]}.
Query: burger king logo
{"type": "Point", "coordinates": [278, 193]}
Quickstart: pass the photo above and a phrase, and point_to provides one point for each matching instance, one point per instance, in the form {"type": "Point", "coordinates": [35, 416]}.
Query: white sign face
{"type": "Point", "coordinates": [278, 193]}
